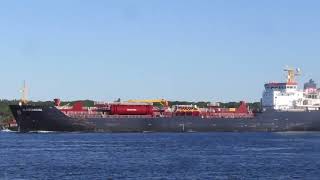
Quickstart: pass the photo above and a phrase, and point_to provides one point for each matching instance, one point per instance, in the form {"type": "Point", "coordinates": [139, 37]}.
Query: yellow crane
{"type": "Point", "coordinates": [292, 73]}
{"type": "Point", "coordinates": [163, 102]}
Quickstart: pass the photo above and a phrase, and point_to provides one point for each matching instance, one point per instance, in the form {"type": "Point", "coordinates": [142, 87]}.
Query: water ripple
{"type": "Point", "coordinates": [159, 156]}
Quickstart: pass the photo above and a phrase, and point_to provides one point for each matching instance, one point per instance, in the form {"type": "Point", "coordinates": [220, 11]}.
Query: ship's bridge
{"type": "Point", "coordinates": [280, 86]}
{"type": "Point", "coordinates": [286, 96]}
{"type": "Point", "coordinates": [283, 96]}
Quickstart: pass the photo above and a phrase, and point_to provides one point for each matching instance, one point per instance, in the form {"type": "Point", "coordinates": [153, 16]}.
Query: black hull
{"type": "Point", "coordinates": [39, 118]}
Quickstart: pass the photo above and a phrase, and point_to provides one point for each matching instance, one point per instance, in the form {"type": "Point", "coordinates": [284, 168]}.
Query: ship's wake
{"type": "Point", "coordinates": [42, 132]}
{"type": "Point", "coordinates": [32, 132]}
{"type": "Point", "coordinates": [7, 131]}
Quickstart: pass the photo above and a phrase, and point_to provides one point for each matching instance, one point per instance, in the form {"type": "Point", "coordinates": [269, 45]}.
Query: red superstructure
{"type": "Point", "coordinates": [133, 110]}
{"type": "Point", "coordinates": [216, 111]}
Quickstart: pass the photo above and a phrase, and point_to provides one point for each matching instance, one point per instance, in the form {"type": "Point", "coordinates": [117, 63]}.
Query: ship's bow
{"type": "Point", "coordinates": [25, 117]}
{"type": "Point", "coordinates": [16, 111]}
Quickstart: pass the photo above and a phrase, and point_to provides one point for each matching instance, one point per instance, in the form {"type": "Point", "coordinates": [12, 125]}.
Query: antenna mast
{"type": "Point", "coordinates": [24, 93]}
{"type": "Point", "coordinates": [292, 74]}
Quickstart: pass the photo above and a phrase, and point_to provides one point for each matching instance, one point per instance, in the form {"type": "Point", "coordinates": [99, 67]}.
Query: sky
{"type": "Point", "coordinates": [195, 50]}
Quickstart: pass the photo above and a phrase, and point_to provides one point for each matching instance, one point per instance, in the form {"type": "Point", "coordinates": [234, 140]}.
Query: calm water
{"type": "Point", "coordinates": [160, 156]}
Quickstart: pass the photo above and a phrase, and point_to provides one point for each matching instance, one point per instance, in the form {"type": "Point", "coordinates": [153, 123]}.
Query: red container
{"type": "Point", "coordinates": [120, 109]}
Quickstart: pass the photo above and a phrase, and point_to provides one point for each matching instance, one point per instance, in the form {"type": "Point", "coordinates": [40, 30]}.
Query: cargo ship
{"type": "Point", "coordinates": [283, 108]}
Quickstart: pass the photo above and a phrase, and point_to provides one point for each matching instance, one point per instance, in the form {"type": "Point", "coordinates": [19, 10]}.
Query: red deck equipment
{"type": "Point", "coordinates": [121, 109]}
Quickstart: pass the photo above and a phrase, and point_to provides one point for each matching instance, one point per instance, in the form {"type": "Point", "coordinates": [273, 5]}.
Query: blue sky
{"type": "Point", "coordinates": [210, 50]}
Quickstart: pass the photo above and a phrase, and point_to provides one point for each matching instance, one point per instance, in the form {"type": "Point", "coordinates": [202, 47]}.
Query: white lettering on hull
{"type": "Point", "coordinates": [32, 110]}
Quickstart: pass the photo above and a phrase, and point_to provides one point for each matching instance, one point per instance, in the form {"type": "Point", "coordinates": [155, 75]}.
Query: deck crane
{"type": "Point", "coordinates": [163, 102]}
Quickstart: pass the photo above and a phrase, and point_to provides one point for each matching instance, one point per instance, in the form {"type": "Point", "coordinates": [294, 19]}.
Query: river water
{"type": "Point", "coordinates": [49, 155]}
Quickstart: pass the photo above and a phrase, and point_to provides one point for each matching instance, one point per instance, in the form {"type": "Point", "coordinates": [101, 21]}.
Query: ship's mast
{"type": "Point", "coordinates": [24, 94]}
{"type": "Point", "coordinates": [292, 73]}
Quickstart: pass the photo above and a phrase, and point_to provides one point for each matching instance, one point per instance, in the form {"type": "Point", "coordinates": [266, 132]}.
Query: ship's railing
{"type": "Point", "coordinates": [229, 115]}
{"type": "Point", "coordinates": [128, 116]}
{"type": "Point", "coordinates": [204, 116]}
{"type": "Point", "coordinates": [93, 116]}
